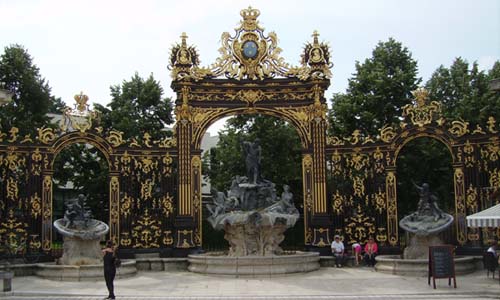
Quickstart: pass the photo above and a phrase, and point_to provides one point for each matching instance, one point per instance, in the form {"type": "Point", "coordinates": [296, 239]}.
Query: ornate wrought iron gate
{"type": "Point", "coordinates": [155, 185]}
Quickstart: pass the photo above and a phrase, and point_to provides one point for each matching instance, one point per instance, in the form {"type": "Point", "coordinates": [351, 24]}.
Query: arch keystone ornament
{"type": "Point", "coordinates": [250, 77]}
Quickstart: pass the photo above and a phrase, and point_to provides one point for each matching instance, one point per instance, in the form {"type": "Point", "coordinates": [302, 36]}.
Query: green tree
{"type": "Point", "coordinates": [137, 107]}
{"type": "Point", "coordinates": [424, 160]}
{"type": "Point", "coordinates": [32, 97]}
{"type": "Point", "coordinates": [281, 151]}
{"type": "Point", "coordinates": [380, 87]}
{"type": "Point", "coordinates": [84, 168]}
{"type": "Point", "coordinates": [464, 91]}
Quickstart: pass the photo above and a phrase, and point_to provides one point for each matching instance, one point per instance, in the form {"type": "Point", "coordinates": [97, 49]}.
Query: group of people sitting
{"type": "Point", "coordinates": [369, 253]}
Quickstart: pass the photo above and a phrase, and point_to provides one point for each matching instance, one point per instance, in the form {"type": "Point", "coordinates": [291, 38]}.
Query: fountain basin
{"type": "Point", "coordinates": [394, 264]}
{"type": "Point", "coordinates": [251, 265]}
{"type": "Point", "coordinates": [84, 272]}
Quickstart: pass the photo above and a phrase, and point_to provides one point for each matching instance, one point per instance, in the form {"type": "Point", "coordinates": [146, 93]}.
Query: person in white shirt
{"type": "Point", "coordinates": [493, 248]}
{"type": "Point", "coordinates": [338, 251]}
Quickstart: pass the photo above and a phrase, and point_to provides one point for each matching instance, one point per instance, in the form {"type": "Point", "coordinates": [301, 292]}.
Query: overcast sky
{"type": "Point", "coordinates": [89, 45]}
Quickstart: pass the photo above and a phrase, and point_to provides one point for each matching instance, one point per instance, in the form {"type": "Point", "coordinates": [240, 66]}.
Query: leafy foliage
{"type": "Point", "coordinates": [464, 91]}
{"type": "Point", "coordinates": [378, 90]}
{"type": "Point", "coordinates": [86, 169]}
{"type": "Point", "coordinates": [137, 107]}
{"type": "Point", "coordinates": [424, 160]}
{"type": "Point", "coordinates": [281, 152]}
{"type": "Point", "coordinates": [32, 98]}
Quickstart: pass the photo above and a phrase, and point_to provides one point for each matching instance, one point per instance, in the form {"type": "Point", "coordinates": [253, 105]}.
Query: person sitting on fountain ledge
{"type": "Point", "coordinates": [338, 251]}
{"type": "Point", "coordinates": [371, 250]}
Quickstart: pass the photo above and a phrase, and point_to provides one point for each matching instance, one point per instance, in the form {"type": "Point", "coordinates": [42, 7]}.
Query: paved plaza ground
{"type": "Point", "coordinates": [326, 283]}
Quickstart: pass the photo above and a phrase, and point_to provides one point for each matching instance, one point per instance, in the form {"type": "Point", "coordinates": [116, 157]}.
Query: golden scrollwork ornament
{"type": "Point", "coordinates": [421, 112]}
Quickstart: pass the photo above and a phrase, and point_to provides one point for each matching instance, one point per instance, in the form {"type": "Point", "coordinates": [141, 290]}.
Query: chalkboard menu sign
{"type": "Point", "coordinates": [441, 264]}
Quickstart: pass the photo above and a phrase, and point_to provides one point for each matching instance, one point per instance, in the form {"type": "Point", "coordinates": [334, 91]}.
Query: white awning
{"type": "Point", "coordinates": [487, 218]}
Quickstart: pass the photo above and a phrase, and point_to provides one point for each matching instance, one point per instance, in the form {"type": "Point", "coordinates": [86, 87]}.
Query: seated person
{"type": "Point", "coordinates": [356, 251]}
{"type": "Point", "coordinates": [338, 251]}
{"type": "Point", "coordinates": [371, 250]}
{"type": "Point", "coordinates": [493, 249]}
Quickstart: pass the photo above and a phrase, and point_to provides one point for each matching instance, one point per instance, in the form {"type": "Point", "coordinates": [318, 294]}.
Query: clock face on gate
{"type": "Point", "coordinates": [250, 49]}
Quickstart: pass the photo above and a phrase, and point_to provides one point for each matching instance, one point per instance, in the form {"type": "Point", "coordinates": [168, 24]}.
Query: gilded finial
{"type": "Point", "coordinates": [421, 96]}
{"type": "Point", "coordinates": [315, 35]}
{"type": "Point", "coordinates": [250, 18]}
{"type": "Point", "coordinates": [81, 101]}
{"type": "Point", "coordinates": [183, 39]}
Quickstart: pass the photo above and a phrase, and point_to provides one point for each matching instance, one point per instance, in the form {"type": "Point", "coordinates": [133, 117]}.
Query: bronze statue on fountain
{"type": "Point", "coordinates": [424, 224]}
{"type": "Point", "coordinates": [253, 217]}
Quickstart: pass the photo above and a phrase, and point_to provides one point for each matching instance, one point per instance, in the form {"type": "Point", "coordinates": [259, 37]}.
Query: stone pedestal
{"type": "Point", "coordinates": [83, 272]}
{"type": "Point", "coordinates": [419, 246]}
{"type": "Point", "coordinates": [254, 266]}
{"type": "Point", "coordinates": [393, 264]}
{"type": "Point", "coordinates": [79, 252]}
{"type": "Point", "coordinates": [252, 239]}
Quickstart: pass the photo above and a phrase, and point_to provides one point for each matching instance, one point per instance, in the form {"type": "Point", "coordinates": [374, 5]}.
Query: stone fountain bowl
{"type": "Point", "coordinates": [425, 225]}
{"type": "Point", "coordinates": [394, 264]}
{"type": "Point", "coordinates": [252, 265]}
{"type": "Point", "coordinates": [93, 229]}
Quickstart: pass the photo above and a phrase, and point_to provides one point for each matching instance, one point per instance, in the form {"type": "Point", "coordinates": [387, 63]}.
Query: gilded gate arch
{"type": "Point", "coordinates": [250, 77]}
{"type": "Point", "coordinates": [368, 164]}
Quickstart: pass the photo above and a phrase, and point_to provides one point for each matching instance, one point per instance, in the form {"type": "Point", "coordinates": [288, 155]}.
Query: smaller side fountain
{"type": "Point", "coordinates": [81, 234]}
{"type": "Point", "coordinates": [82, 256]}
{"type": "Point", "coordinates": [424, 225]}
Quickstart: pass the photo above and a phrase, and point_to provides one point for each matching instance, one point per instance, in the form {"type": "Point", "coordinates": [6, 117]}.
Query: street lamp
{"type": "Point", "coordinates": [5, 97]}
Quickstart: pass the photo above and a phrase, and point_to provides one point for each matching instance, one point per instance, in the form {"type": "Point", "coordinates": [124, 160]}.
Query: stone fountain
{"type": "Point", "coordinates": [254, 220]}
{"type": "Point", "coordinates": [82, 256]}
{"type": "Point", "coordinates": [423, 226]}
{"type": "Point", "coordinates": [81, 234]}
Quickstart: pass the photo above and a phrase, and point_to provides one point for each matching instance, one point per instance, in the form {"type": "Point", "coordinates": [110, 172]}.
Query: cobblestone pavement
{"type": "Point", "coordinates": [326, 283]}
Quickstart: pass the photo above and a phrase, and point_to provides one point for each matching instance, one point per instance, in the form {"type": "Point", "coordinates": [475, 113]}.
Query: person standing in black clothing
{"type": "Point", "coordinates": [109, 268]}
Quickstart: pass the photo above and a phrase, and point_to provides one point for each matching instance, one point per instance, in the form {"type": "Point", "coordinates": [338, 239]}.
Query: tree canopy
{"type": "Point", "coordinates": [32, 98]}
{"type": "Point", "coordinates": [379, 88]}
{"type": "Point", "coordinates": [137, 107]}
{"type": "Point", "coordinates": [281, 152]}
{"type": "Point", "coordinates": [84, 168]}
{"type": "Point", "coordinates": [464, 91]}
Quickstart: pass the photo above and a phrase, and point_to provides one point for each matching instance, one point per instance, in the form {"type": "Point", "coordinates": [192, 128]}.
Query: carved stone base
{"type": "Point", "coordinates": [254, 239]}
{"type": "Point", "coordinates": [419, 246]}
{"type": "Point", "coordinates": [77, 252]}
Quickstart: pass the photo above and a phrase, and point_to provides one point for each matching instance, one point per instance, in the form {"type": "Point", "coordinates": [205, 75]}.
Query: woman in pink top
{"type": "Point", "coordinates": [371, 250]}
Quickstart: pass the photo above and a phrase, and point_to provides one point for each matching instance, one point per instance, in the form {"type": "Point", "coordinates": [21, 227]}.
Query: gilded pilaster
{"type": "Point", "coordinates": [196, 192]}
{"type": "Point", "coordinates": [460, 206]}
{"type": "Point", "coordinates": [307, 178]}
{"type": "Point", "coordinates": [185, 201]}
{"type": "Point", "coordinates": [319, 141]}
{"type": "Point", "coordinates": [392, 207]}
{"type": "Point", "coordinates": [114, 208]}
{"type": "Point", "coordinates": [47, 213]}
